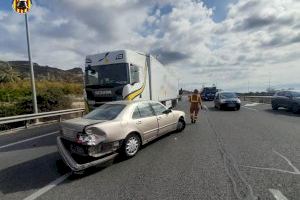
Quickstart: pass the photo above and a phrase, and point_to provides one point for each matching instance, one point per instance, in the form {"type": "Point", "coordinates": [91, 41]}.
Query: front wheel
{"type": "Point", "coordinates": [274, 107]}
{"type": "Point", "coordinates": [180, 125]}
{"type": "Point", "coordinates": [131, 145]}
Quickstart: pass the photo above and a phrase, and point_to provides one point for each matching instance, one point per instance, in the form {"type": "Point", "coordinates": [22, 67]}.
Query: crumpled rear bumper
{"type": "Point", "coordinates": [67, 158]}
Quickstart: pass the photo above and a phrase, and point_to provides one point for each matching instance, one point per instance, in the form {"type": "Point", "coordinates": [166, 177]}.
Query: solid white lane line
{"type": "Point", "coordinates": [288, 161]}
{"type": "Point", "coordinates": [27, 140]}
{"type": "Point", "coordinates": [48, 187]}
{"type": "Point", "coordinates": [277, 194]}
{"type": "Point", "coordinates": [270, 169]}
{"type": "Point", "coordinates": [253, 109]}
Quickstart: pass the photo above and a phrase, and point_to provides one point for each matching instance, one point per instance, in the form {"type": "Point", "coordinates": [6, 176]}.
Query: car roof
{"type": "Point", "coordinates": [126, 102]}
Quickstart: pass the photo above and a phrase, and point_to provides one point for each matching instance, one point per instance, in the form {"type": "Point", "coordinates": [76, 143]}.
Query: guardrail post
{"type": "Point", "coordinates": [59, 119]}
{"type": "Point", "coordinates": [26, 124]}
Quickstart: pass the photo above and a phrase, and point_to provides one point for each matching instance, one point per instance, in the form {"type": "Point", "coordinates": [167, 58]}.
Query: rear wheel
{"type": "Point", "coordinates": [131, 145]}
{"type": "Point", "coordinates": [180, 125]}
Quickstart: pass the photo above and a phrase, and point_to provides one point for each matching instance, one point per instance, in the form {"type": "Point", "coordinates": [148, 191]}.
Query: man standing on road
{"type": "Point", "coordinates": [196, 104]}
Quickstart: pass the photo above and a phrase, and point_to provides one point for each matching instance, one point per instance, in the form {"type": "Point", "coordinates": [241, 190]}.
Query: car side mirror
{"type": "Point", "coordinates": [167, 111]}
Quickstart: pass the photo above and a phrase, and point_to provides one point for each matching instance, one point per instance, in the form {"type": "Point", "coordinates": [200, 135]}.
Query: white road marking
{"type": "Point", "coordinates": [251, 104]}
{"type": "Point", "coordinates": [277, 194]}
{"type": "Point", "coordinates": [48, 187]}
{"type": "Point", "coordinates": [27, 140]}
{"type": "Point", "coordinates": [253, 109]}
{"type": "Point", "coordinates": [288, 161]}
{"type": "Point", "coordinates": [270, 169]}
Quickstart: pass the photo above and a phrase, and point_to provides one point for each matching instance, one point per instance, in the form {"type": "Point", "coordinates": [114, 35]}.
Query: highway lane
{"type": "Point", "coordinates": [252, 152]}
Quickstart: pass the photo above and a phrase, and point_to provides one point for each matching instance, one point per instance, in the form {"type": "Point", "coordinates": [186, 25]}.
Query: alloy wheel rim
{"type": "Point", "coordinates": [132, 146]}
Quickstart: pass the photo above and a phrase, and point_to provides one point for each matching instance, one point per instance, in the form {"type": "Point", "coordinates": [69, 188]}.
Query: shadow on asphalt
{"type": "Point", "coordinates": [47, 141]}
{"type": "Point", "coordinates": [30, 175]}
{"type": "Point", "coordinates": [282, 112]}
{"type": "Point", "coordinates": [213, 109]}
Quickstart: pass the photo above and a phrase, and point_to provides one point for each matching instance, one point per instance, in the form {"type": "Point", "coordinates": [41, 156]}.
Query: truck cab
{"type": "Point", "coordinates": [111, 76]}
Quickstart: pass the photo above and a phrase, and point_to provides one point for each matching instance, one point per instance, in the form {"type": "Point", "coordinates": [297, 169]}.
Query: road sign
{"type": "Point", "coordinates": [21, 6]}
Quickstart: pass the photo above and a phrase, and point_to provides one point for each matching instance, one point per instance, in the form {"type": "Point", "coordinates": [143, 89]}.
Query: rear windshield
{"type": "Point", "coordinates": [105, 112]}
{"type": "Point", "coordinates": [227, 95]}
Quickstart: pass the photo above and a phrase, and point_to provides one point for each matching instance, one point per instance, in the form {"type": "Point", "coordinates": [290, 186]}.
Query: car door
{"type": "Point", "coordinates": [166, 120]}
{"type": "Point", "coordinates": [288, 100]}
{"type": "Point", "coordinates": [280, 99]}
{"type": "Point", "coordinates": [217, 100]}
{"type": "Point", "coordinates": [145, 121]}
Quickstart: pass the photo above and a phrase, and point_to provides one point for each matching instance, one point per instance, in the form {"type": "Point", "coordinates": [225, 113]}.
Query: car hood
{"type": "Point", "coordinates": [297, 99]}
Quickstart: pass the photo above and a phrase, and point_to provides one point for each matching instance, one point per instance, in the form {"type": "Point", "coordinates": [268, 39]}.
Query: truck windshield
{"type": "Point", "coordinates": [104, 75]}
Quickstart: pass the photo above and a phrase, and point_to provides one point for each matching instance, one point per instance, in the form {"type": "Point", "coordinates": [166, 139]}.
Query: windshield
{"type": "Point", "coordinates": [296, 94]}
{"type": "Point", "coordinates": [103, 75]}
{"type": "Point", "coordinates": [105, 112]}
{"type": "Point", "coordinates": [209, 90]}
{"type": "Point", "coordinates": [228, 95]}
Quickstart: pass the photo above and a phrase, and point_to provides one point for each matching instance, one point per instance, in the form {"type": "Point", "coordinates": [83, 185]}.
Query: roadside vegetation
{"type": "Point", "coordinates": [16, 99]}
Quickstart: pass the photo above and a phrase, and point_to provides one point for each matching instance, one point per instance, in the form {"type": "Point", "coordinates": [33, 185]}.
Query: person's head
{"type": "Point", "coordinates": [196, 91]}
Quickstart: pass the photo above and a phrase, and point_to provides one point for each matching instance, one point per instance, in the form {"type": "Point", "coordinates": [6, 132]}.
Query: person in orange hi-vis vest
{"type": "Point", "coordinates": [196, 104]}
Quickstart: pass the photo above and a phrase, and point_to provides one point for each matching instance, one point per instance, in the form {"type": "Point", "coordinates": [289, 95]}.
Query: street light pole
{"type": "Point", "coordinates": [34, 101]}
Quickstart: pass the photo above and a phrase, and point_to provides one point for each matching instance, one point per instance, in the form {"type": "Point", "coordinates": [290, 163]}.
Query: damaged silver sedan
{"type": "Point", "coordinates": [114, 128]}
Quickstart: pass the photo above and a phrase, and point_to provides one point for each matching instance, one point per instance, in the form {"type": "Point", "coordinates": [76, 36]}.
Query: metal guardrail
{"type": "Point", "coordinates": [258, 99]}
{"type": "Point", "coordinates": [27, 117]}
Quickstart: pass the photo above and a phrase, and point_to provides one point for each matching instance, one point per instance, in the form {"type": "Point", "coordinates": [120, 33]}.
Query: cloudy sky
{"type": "Point", "coordinates": [235, 44]}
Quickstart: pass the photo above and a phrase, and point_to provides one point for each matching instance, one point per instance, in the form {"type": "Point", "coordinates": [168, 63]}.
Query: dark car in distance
{"type": "Point", "coordinates": [289, 99]}
{"type": "Point", "coordinates": [208, 93]}
{"type": "Point", "coordinates": [227, 100]}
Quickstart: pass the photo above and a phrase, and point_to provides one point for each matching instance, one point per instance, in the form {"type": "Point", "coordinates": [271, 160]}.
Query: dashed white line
{"type": "Point", "coordinates": [48, 187]}
{"type": "Point", "coordinates": [277, 194]}
{"type": "Point", "coordinates": [27, 140]}
{"type": "Point", "coordinates": [252, 104]}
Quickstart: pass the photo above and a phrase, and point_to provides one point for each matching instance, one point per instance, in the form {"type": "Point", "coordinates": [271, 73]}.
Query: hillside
{"type": "Point", "coordinates": [21, 70]}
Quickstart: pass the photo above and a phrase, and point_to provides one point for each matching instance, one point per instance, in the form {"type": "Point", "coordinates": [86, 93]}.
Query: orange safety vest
{"type": "Point", "coordinates": [195, 98]}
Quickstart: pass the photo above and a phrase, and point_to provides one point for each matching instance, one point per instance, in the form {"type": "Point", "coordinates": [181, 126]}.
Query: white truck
{"type": "Point", "coordinates": [128, 75]}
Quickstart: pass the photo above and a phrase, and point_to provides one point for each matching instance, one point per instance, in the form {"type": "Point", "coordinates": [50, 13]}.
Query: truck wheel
{"type": "Point", "coordinates": [180, 125]}
{"type": "Point", "coordinates": [131, 145]}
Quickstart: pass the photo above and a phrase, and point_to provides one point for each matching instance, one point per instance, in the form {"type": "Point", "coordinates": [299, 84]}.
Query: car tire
{"type": "Point", "coordinates": [131, 145]}
{"type": "Point", "coordinates": [274, 107]}
{"type": "Point", "coordinates": [237, 107]}
{"type": "Point", "coordinates": [295, 109]}
{"type": "Point", "coordinates": [180, 125]}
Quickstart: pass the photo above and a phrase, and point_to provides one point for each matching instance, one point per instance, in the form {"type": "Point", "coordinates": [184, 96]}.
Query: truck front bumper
{"type": "Point", "coordinates": [68, 159]}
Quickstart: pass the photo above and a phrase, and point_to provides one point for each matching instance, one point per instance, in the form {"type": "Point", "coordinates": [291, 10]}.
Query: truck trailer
{"type": "Point", "coordinates": [128, 75]}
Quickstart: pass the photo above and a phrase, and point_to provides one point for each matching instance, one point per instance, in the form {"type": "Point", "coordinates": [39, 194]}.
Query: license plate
{"type": "Point", "coordinates": [77, 149]}
{"type": "Point", "coordinates": [231, 105]}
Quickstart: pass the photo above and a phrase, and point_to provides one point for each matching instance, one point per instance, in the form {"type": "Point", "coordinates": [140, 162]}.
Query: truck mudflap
{"type": "Point", "coordinates": [67, 158]}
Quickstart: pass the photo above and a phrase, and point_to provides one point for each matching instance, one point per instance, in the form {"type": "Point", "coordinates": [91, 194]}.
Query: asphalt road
{"type": "Point", "coordinates": [249, 154]}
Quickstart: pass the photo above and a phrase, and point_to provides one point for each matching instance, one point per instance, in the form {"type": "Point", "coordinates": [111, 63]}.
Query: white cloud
{"type": "Point", "coordinates": [256, 39]}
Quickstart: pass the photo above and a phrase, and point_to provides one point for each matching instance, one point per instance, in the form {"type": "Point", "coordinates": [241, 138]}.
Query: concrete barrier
{"type": "Point", "coordinates": [258, 99]}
